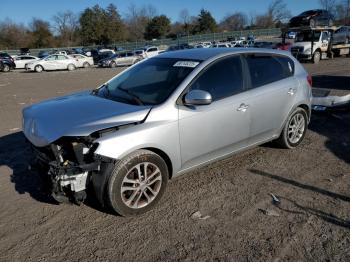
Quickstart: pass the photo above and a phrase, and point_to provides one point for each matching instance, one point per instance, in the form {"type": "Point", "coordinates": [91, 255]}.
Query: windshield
{"type": "Point", "coordinates": [307, 36]}
{"type": "Point", "coordinates": [148, 83]}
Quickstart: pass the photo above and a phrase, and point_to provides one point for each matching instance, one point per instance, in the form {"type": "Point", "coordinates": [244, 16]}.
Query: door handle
{"type": "Point", "coordinates": [291, 91]}
{"type": "Point", "coordinates": [243, 107]}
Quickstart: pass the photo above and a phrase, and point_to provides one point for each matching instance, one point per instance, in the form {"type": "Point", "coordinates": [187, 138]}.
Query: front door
{"type": "Point", "coordinates": [211, 131]}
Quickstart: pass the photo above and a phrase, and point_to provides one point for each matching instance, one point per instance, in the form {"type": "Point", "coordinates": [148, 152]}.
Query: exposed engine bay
{"type": "Point", "coordinates": [68, 166]}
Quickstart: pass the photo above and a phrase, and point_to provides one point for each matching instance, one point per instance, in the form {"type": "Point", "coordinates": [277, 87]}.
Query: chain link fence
{"type": "Point", "coordinates": [259, 33]}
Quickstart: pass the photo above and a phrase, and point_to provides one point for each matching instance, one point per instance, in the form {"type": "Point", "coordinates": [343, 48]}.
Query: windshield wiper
{"type": "Point", "coordinates": [134, 96]}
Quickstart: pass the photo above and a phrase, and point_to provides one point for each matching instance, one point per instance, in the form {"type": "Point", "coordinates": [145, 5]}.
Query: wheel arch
{"type": "Point", "coordinates": [165, 157]}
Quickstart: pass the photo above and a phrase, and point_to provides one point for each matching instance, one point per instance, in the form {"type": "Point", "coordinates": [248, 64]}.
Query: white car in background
{"type": "Point", "coordinates": [221, 45]}
{"type": "Point", "coordinates": [53, 62]}
{"type": "Point", "coordinates": [83, 61]}
{"type": "Point", "coordinates": [22, 60]}
{"type": "Point", "coordinates": [148, 51]}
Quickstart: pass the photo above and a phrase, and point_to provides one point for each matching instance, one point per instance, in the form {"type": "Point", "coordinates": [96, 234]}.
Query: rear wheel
{"type": "Point", "coordinates": [312, 23]}
{"type": "Point", "coordinates": [39, 69]}
{"type": "Point", "coordinates": [71, 67]}
{"type": "Point", "coordinates": [137, 183]}
{"type": "Point", "coordinates": [6, 68]}
{"type": "Point", "coordinates": [330, 22]}
{"type": "Point", "coordinates": [113, 64]}
{"type": "Point", "coordinates": [317, 57]}
{"type": "Point", "coordinates": [294, 130]}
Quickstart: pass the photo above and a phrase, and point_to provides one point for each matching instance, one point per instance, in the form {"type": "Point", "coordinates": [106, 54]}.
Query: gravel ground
{"type": "Point", "coordinates": [238, 220]}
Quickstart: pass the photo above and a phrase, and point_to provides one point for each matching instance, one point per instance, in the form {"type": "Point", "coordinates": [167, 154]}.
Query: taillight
{"type": "Point", "coordinates": [309, 80]}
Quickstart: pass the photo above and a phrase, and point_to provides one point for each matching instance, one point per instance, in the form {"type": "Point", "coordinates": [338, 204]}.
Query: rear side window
{"type": "Point", "coordinates": [222, 79]}
{"type": "Point", "coordinates": [266, 69]}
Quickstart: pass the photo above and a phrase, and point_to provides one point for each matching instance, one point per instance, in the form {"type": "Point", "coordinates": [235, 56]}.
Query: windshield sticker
{"type": "Point", "coordinates": [191, 64]}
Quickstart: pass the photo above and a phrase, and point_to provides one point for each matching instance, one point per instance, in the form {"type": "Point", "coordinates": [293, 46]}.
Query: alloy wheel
{"type": "Point", "coordinates": [141, 185]}
{"type": "Point", "coordinates": [296, 128]}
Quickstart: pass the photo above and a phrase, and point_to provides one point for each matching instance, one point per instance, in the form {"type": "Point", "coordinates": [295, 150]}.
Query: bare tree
{"type": "Point", "coordinates": [329, 5]}
{"type": "Point", "coordinates": [66, 25]}
{"type": "Point", "coordinates": [137, 20]}
{"type": "Point", "coordinates": [236, 21]}
{"type": "Point", "coordinates": [278, 11]}
{"type": "Point", "coordinates": [185, 20]}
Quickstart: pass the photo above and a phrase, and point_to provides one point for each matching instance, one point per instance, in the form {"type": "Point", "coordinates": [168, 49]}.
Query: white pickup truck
{"type": "Point", "coordinates": [311, 45]}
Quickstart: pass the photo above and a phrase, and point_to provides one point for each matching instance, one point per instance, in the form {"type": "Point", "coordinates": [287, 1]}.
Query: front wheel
{"type": "Point", "coordinates": [6, 68]}
{"type": "Point", "coordinates": [137, 183]}
{"type": "Point", "coordinates": [294, 130]}
{"type": "Point", "coordinates": [317, 57]}
{"type": "Point", "coordinates": [86, 65]}
{"type": "Point", "coordinates": [39, 69]}
{"type": "Point", "coordinates": [71, 67]}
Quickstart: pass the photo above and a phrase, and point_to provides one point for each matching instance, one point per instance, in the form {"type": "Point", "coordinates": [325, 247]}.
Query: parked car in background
{"type": "Point", "coordinates": [264, 44]}
{"type": "Point", "coordinates": [342, 35]}
{"type": "Point", "coordinates": [22, 60]}
{"type": "Point", "coordinates": [164, 117]}
{"type": "Point", "coordinates": [43, 54]}
{"type": "Point", "coordinates": [53, 62]}
{"type": "Point", "coordinates": [148, 51]}
{"type": "Point", "coordinates": [7, 62]}
{"type": "Point", "coordinates": [312, 18]}
{"type": "Point", "coordinates": [24, 51]}
{"type": "Point", "coordinates": [291, 35]}
{"type": "Point", "coordinates": [83, 61]}
{"type": "Point", "coordinates": [283, 46]}
{"type": "Point", "coordinates": [98, 55]}
{"type": "Point", "coordinates": [221, 45]}
{"type": "Point", "coordinates": [178, 47]}
{"type": "Point", "coordinates": [121, 59]}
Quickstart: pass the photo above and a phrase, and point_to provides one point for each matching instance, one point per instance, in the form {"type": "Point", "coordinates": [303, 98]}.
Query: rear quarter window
{"type": "Point", "coordinates": [265, 69]}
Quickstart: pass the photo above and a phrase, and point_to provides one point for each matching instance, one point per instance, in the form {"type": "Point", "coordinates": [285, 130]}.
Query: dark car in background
{"type": "Point", "coordinates": [264, 44]}
{"type": "Point", "coordinates": [342, 35]}
{"type": "Point", "coordinates": [312, 18]}
{"type": "Point", "coordinates": [7, 62]}
{"type": "Point", "coordinates": [43, 54]}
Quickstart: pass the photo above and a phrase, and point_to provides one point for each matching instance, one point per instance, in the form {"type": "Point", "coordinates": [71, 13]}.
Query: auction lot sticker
{"type": "Point", "coordinates": [191, 64]}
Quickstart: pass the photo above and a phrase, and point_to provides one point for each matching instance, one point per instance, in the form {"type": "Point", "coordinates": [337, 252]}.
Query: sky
{"type": "Point", "coordinates": [22, 11]}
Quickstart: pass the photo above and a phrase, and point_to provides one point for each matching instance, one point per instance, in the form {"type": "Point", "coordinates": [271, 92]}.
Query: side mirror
{"type": "Point", "coordinates": [197, 98]}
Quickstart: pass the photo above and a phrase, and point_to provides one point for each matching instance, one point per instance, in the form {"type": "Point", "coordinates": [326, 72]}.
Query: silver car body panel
{"type": "Point", "coordinates": [189, 136]}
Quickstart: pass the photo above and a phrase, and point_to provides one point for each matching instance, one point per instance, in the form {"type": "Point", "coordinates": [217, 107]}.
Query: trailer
{"type": "Point", "coordinates": [315, 43]}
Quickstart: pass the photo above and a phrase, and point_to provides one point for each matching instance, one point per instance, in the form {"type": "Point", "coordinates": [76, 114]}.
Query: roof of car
{"type": "Point", "coordinates": [207, 53]}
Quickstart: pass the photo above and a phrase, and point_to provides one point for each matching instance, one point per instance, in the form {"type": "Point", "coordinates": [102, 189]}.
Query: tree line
{"type": "Point", "coordinates": [102, 26]}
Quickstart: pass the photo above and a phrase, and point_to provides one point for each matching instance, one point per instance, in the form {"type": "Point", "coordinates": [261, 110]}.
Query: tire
{"type": "Point", "coordinates": [6, 68]}
{"type": "Point", "coordinates": [312, 23]}
{"type": "Point", "coordinates": [286, 138]}
{"type": "Point", "coordinates": [39, 69]}
{"type": "Point", "coordinates": [141, 199]}
{"type": "Point", "coordinates": [316, 57]}
{"type": "Point", "coordinates": [330, 22]}
{"type": "Point", "coordinates": [86, 65]}
{"type": "Point", "coordinates": [71, 67]}
{"type": "Point", "coordinates": [113, 64]}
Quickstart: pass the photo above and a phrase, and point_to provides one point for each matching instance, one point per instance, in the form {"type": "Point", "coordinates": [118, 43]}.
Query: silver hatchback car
{"type": "Point", "coordinates": [163, 117]}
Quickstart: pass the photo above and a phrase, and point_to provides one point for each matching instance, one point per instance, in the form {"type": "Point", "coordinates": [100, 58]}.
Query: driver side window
{"type": "Point", "coordinates": [222, 79]}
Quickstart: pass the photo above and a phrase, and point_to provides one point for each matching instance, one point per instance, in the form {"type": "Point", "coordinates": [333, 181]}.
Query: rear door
{"type": "Point", "coordinates": [211, 131]}
{"type": "Point", "coordinates": [273, 88]}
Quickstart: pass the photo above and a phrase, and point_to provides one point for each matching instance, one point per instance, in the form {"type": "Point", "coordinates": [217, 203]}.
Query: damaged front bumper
{"type": "Point", "coordinates": [67, 170]}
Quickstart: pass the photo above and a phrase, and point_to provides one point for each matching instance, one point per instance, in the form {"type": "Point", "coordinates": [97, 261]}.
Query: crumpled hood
{"type": "Point", "coordinates": [76, 115]}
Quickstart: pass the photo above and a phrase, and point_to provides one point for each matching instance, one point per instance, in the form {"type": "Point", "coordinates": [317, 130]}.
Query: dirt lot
{"type": "Point", "coordinates": [311, 223]}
